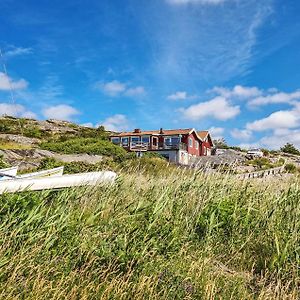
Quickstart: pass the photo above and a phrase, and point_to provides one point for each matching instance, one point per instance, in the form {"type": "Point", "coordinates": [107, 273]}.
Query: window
{"type": "Point", "coordinates": [172, 141]}
{"type": "Point", "coordinates": [146, 139]}
{"type": "Point", "coordinates": [191, 142]}
{"type": "Point", "coordinates": [115, 140]}
{"type": "Point", "coordinates": [135, 140]}
{"type": "Point", "coordinates": [125, 141]}
{"type": "Point", "coordinates": [197, 145]}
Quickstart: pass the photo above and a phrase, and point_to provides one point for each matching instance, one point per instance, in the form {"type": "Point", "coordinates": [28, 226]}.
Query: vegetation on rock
{"type": "Point", "coordinates": [290, 148]}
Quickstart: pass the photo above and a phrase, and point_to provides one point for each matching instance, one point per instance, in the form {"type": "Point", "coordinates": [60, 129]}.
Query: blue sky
{"type": "Point", "coordinates": [231, 66]}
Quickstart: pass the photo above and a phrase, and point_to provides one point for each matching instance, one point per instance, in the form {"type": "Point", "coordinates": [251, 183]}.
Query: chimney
{"type": "Point", "coordinates": [161, 131]}
{"type": "Point", "coordinates": [137, 130]}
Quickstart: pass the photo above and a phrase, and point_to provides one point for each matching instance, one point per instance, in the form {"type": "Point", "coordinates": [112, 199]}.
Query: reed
{"type": "Point", "coordinates": [153, 235]}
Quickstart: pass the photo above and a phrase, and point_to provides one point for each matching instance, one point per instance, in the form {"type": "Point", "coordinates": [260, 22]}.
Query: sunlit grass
{"type": "Point", "coordinates": [10, 145]}
{"type": "Point", "coordinates": [182, 235]}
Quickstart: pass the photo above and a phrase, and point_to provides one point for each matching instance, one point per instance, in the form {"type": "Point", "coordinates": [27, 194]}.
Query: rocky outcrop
{"type": "Point", "coordinates": [19, 139]}
{"type": "Point", "coordinates": [31, 158]}
{"type": "Point", "coordinates": [229, 158]}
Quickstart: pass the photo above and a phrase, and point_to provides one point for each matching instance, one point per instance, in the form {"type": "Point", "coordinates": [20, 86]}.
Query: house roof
{"type": "Point", "coordinates": [155, 132]}
{"type": "Point", "coordinates": [202, 134]}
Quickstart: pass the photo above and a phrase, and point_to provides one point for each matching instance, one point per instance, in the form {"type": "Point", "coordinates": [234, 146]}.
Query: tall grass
{"type": "Point", "coordinates": [182, 235]}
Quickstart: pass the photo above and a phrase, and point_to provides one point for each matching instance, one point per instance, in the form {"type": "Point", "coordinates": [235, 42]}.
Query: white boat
{"type": "Point", "coordinates": [45, 173]}
{"type": "Point", "coordinates": [57, 182]}
{"type": "Point", "coordinates": [10, 172]}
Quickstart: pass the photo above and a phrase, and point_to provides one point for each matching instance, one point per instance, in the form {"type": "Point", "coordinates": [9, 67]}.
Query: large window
{"type": "Point", "coordinates": [190, 142]}
{"type": "Point", "coordinates": [146, 139]}
{"type": "Point", "coordinates": [172, 141]}
{"type": "Point", "coordinates": [125, 141]}
{"type": "Point", "coordinates": [135, 140]}
{"type": "Point", "coordinates": [115, 140]}
{"type": "Point", "coordinates": [197, 145]}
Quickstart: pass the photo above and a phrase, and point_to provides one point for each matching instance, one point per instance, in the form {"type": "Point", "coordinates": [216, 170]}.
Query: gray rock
{"type": "Point", "coordinates": [27, 159]}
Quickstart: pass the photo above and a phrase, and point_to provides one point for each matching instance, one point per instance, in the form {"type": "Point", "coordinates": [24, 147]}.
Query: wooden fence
{"type": "Point", "coordinates": [262, 174]}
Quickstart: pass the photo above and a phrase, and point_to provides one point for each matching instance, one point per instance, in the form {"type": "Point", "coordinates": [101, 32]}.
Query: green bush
{"type": "Point", "coordinates": [290, 148]}
{"type": "Point", "coordinates": [261, 163]}
{"type": "Point", "coordinates": [3, 164]}
{"type": "Point", "coordinates": [4, 128]}
{"type": "Point", "coordinates": [32, 131]}
{"type": "Point", "coordinates": [290, 168]}
{"type": "Point", "coordinates": [86, 145]}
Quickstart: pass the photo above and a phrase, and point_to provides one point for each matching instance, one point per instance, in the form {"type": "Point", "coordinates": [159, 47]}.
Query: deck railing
{"type": "Point", "coordinates": [139, 146]}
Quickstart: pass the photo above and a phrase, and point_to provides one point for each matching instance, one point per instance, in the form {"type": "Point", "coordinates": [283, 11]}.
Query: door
{"type": "Point", "coordinates": [154, 142]}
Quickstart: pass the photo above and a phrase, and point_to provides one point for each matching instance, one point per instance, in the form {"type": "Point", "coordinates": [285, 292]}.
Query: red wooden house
{"type": "Point", "coordinates": [178, 145]}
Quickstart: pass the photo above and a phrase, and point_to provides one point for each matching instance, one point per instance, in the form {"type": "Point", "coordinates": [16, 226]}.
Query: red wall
{"type": "Point", "coordinates": [192, 150]}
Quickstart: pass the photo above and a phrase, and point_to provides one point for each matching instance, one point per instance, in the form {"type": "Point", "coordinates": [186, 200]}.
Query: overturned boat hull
{"type": "Point", "coordinates": [57, 182]}
{"type": "Point", "coordinates": [10, 172]}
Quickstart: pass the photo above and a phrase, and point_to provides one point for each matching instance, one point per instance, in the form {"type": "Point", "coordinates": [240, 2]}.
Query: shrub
{"type": "Point", "coordinates": [290, 148]}
{"type": "Point", "coordinates": [86, 145]}
{"type": "Point", "coordinates": [3, 164]}
{"type": "Point", "coordinates": [4, 128]}
{"type": "Point", "coordinates": [261, 163]}
{"type": "Point", "coordinates": [32, 131]}
{"type": "Point", "coordinates": [290, 168]}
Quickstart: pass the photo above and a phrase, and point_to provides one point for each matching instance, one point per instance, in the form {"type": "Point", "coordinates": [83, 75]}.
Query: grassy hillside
{"type": "Point", "coordinates": [172, 234]}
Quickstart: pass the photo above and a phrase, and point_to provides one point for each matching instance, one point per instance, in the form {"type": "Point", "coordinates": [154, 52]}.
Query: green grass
{"type": "Point", "coordinates": [163, 235]}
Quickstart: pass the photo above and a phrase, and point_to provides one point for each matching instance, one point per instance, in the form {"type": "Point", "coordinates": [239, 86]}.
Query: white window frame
{"type": "Point", "coordinates": [197, 145]}
{"type": "Point", "coordinates": [123, 138]}
{"type": "Point", "coordinates": [191, 142]}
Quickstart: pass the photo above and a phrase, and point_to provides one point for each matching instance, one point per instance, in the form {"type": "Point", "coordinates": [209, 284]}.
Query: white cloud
{"type": "Point", "coordinates": [278, 139]}
{"type": "Point", "coordinates": [216, 132]}
{"type": "Point", "coordinates": [16, 110]}
{"type": "Point", "coordinates": [218, 108]}
{"type": "Point", "coordinates": [257, 97]}
{"type": "Point", "coordinates": [60, 112]}
{"type": "Point", "coordinates": [178, 96]}
{"type": "Point", "coordinates": [182, 2]}
{"type": "Point", "coordinates": [250, 145]}
{"type": "Point", "coordinates": [238, 91]}
{"type": "Point", "coordinates": [278, 120]}
{"type": "Point", "coordinates": [29, 115]}
{"type": "Point", "coordinates": [181, 95]}
{"type": "Point", "coordinates": [116, 88]}
{"type": "Point", "coordinates": [113, 88]}
{"type": "Point", "coordinates": [278, 97]}
{"type": "Point", "coordinates": [137, 91]}
{"type": "Point", "coordinates": [17, 51]}
{"type": "Point", "coordinates": [89, 124]}
{"type": "Point", "coordinates": [116, 123]}
{"type": "Point", "coordinates": [243, 134]}
{"type": "Point", "coordinates": [6, 83]}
